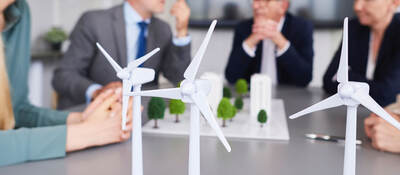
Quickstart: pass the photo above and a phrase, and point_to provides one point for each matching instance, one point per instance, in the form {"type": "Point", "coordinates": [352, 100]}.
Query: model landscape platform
{"type": "Point", "coordinates": [243, 125]}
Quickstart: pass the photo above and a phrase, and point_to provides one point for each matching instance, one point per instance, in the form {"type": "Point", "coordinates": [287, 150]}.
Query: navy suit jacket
{"type": "Point", "coordinates": [386, 79]}
{"type": "Point", "coordinates": [294, 67]}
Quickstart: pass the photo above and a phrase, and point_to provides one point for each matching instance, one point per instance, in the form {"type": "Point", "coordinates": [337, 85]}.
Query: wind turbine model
{"type": "Point", "coordinates": [135, 76]}
{"type": "Point", "coordinates": [194, 91]}
{"type": "Point", "coordinates": [350, 94]}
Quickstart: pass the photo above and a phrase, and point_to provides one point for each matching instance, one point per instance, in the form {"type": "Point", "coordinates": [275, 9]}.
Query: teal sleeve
{"type": "Point", "coordinates": [27, 115]}
{"type": "Point", "coordinates": [26, 144]}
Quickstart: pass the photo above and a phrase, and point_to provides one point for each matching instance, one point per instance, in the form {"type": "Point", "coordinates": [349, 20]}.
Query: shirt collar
{"type": "Point", "coordinates": [131, 16]}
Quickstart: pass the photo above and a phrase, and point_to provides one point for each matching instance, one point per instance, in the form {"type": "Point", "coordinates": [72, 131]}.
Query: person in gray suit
{"type": "Point", "coordinates": [127, 32]}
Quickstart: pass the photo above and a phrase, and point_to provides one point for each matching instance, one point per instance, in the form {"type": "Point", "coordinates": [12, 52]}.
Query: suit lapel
{"type": "Point", "coordinates": [361, 43]}
{"type": "Point", "coordinates": [120, 36]}
{"type": "Point", "coordinates": [386, 47]}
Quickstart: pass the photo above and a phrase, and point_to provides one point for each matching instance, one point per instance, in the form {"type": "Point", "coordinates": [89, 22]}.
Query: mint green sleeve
{"type": "Point", "coordinates": [28, 115]}
{"type": "Point", "coordinates": [26, 144]}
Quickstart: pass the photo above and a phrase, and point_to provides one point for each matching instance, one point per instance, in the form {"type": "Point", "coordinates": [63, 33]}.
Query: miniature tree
{"type": "Point", "coordinates": [156, 110]}
{"type": "Point", "coordinates": [225, 110]}
{"type": "Point", "coordinates": [241, 87]}
{"type": "Point", "coordinates": [227, 93]}
{"type": "Point", "coordinates": [239, 103]}
{"type": "Point", "coordinates": [176, 107]}
{"type": "Point", "coordinates": [262, 117]}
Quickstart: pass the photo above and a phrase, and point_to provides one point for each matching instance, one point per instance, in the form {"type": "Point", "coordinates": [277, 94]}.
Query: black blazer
{"type": "Point", "coordinates": [386, 80]}
{"type": "Point", "coordinates": [294, 67]}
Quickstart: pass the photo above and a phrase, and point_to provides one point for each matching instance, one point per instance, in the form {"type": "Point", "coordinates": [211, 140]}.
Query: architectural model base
{"type": "Point", "coordinates": [243, 125]}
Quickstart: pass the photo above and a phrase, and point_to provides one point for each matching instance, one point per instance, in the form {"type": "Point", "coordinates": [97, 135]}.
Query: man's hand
{"type": "Point", "coordinates": [111, 86]}
{"type": "Point", "coordinates": [181, 11]}
{"type": "Point", "coordinates": [383, 135]}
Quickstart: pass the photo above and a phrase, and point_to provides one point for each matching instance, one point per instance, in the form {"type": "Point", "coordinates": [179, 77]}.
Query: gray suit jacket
{"type": "Point", "coordinates": [83, 65]}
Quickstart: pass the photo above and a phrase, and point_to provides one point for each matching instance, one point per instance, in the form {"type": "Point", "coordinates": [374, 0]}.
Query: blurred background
{"type": "Point", "coordinates": [55, 16]}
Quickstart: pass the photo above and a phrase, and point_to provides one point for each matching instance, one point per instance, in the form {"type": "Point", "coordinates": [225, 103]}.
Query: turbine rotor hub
{"type": "Point", "coordinates": [123, 74]}
{"type": "Point", "coordinates": [346, 90]}
{"type": "Point", "coordinates": [188, 88]}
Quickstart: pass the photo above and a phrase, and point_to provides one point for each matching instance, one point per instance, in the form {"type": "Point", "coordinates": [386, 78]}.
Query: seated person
{"type": "Point", "coordinates": [30, 133]}
{"type": "Point", "coordinates": [374, 56]}
{"type": "Point", "coordinates": [384, 136]}
{"type": "Point", "coordinates": [127, 32]}
{"type": "Point", "coordinates": [274, 42]}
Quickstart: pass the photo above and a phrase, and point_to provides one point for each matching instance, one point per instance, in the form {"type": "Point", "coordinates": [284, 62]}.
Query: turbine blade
{"type": "Point", "coordinates": [136, 63]}
{"type": "Point", "coordinates": [114, 64]}
{"type": "Point", "coordinates": [374, 107]}
{"type": "Point", "coordinates": [330, 102]}
{"type": "Point", "coordinates": [172, 93]}
{"type": "Point", "coordinates": [126, 87]}
{"type": "Point", "coordinates": [201, 102]}
{"type": "Point", "coordinates": [343, 71]}
{"type": "Point", "coordinates": [192, 69]}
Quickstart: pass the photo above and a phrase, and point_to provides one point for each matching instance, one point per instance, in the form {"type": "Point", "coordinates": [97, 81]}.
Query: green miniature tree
{"type": "Point", "coordinates": [239, 103]}
{"type": "Point", "coordinates": [262, 117]}
{"type": "Point", "coordinates": [241, 87]}
{"type": "Point", "coordinates": [225, 110]}
{"type": "Point", "coordinates": [176, 107]}
{"type": "Point", "coordinates": [156, 110]}
{"type": "Point", "coordinates": [227, 93]}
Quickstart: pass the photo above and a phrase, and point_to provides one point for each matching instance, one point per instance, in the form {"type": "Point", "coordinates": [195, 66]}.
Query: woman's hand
{"type": "Point", "coordinates": [101, 126]}
{"type": "Point", "coordinates": [78, 117]}
{"type": "Point", "coordinates": [383, 135]}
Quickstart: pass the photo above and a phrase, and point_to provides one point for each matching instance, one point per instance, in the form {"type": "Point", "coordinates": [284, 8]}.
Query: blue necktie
{"type": "Point", "coordinates": [142, 40]}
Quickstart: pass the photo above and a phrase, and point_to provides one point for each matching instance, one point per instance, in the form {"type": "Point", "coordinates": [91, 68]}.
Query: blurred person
{"type": "Point", "coordinates": [127, 32]}
{"type": "Point", "coordinates": [31, 133]}
{"type": "Point", "coordinates": [373, 48]}
{"type": "Point", "coordinates": [274, 42]}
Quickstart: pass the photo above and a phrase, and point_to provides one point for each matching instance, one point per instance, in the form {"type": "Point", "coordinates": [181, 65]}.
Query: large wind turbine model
{"type": "Point", "coordinates": [194, 91]}
{"type": "Point", "coordinates": [350, 94]}
{"type": "Point", "coordinates": [135, 76]}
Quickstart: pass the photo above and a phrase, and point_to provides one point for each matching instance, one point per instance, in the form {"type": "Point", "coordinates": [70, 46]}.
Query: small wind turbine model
{"type": "Point", "coordinates": [194, 91]}
{"type": "Point", "coordinates": [350, 94]}
{"type": "Point", "coordinates": [135, 76]}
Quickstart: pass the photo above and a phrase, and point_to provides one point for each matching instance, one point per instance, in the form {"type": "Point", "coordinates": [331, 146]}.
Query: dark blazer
{"type": "Point", "coordinates": [83, 64]}
{"type": "Point", "coordinates": [294, 67]}
{"type": "Point", "coordinates": [386, 80]}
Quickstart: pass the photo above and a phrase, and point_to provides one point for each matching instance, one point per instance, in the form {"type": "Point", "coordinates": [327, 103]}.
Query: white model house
{"type": "Point", "coordinates": [260, 94]}
{"type": "Point", "coordinates": [215, 95]}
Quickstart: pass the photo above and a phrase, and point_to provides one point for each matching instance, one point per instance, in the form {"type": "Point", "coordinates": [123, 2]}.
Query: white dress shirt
{"type": "Point", "coordinates": [371, 60]}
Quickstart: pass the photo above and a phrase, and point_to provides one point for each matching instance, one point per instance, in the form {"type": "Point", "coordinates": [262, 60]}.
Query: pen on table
{"type": "Point", "coordinates": [329, 138]}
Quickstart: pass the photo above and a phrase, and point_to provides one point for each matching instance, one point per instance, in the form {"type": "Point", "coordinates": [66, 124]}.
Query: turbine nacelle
{"type": "Point", "coordinates": [142, 75]}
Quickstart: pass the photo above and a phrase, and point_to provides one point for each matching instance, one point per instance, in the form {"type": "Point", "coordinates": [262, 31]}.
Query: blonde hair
{"type": "Point", "coordinates": [7, 120]}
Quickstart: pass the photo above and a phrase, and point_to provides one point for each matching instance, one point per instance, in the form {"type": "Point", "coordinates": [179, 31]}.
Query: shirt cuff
{"type": "Point", "coordinates": [251, 52]}
{"type": "Point", "coordinates": [280, 52]}
{"type": "Point", "coordinates": [90, 90]}
{"type": "Point", "coordinates": [183, 41]}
